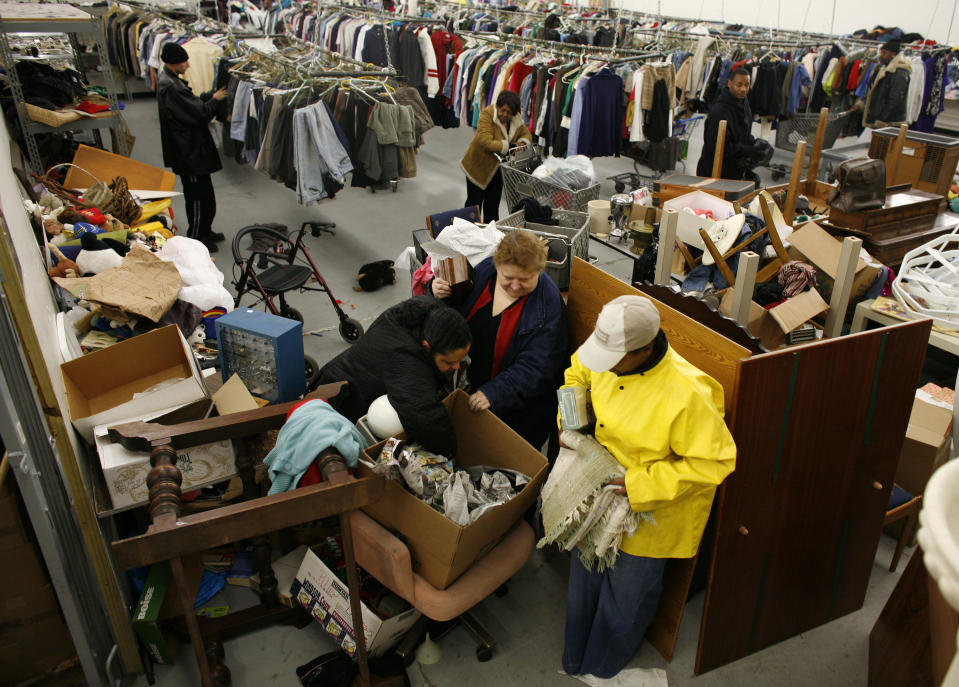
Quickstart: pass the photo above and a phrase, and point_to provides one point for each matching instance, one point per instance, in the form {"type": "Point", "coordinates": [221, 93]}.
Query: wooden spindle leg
{"type": "Point", "coordinates": [164, 482]}
{"type": "Point", "coordinates": [215, 655]}
{"type": "Point", "coordinates": [333, 468]}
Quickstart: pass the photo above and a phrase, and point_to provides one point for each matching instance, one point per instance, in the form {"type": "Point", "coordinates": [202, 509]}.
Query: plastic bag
{"type": "Point", "coordinates": [574, 173]}
{"type": "Point", "coordinates": [202, 282]}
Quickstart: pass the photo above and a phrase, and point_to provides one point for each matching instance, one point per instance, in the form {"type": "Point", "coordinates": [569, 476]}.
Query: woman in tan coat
{"type": "Point", "coordinates": [500, 128]}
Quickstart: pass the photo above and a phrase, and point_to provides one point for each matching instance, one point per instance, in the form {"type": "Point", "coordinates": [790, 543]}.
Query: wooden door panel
{"type": "Point", "coordinates": [818, 431]}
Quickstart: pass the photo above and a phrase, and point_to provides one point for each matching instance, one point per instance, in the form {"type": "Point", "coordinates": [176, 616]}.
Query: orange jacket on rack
{"type": "Point", "coordinates": [492, 139]}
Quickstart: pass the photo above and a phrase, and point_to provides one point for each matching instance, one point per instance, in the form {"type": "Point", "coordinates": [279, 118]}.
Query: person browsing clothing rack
{"type": "Point", "coordinates": [500, 128]}
{"type": "Point", "coordinates": [188, 146]}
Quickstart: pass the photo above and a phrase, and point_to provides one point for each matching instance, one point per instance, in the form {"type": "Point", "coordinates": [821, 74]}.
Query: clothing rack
{"type": "Point", "coordinates": [334, 55]}
{"type": "Point", "coordinates": [380, 14]}
{"type": "Point", "coordinates": [573, 49]}
{"type": "Point", "coordinates": [288, 64]}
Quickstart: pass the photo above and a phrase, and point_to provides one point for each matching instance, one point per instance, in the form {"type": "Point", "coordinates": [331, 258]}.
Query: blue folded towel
{"type": "Point", "coordinates": [311, 429]}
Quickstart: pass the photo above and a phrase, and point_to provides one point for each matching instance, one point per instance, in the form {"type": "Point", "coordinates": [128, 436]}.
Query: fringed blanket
{"type": "Point", "coordinates": [580, 509]}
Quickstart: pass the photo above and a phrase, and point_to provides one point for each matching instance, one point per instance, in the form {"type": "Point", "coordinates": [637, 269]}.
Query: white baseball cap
{"type": "Point", "coordinates": [625, 324]}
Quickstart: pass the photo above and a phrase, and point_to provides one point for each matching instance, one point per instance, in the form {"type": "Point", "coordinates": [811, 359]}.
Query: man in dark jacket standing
{"type": "Point", "coordinates": [742, 151]}
{"type": "Point", "coordinates": [188, 146]}
{"type": "Point", "coordinates": [885, 103]}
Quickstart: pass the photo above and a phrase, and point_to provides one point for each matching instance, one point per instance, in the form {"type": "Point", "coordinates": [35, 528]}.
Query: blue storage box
{"type": "Point", "coordinates": [265, 350]}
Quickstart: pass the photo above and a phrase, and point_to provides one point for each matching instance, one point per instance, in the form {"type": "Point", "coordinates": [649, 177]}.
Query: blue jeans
{"type": "Point", "coordinates": [607, 613]}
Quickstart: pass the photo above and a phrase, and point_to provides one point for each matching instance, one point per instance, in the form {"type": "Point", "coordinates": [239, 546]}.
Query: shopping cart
{"type": "Point", "coordinates": [519, 183]}
{"type": "Point", "coordinates": [682, 130]}
{"type": "Point", "coordinates": [790, 132]}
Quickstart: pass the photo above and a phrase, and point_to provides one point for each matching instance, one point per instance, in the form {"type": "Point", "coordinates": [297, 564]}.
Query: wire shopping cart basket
{"type": "Point", "coordinates": [519, 183]}
{"type": "Point", "coordinates": [803, 126]}
{"type": "Point", "coordinates": [683, 129]}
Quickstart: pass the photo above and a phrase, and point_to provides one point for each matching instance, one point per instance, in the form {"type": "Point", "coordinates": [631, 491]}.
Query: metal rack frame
{"type": "Point", "coordinates": [17, 18]}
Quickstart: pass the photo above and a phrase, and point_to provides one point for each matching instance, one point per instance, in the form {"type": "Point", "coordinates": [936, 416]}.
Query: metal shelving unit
{"type": "Point", "coordinates": [56, 18]}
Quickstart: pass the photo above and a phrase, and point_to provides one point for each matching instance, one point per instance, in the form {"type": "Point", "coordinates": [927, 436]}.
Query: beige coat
{"type": "Point", "coordinates": [491, 139]}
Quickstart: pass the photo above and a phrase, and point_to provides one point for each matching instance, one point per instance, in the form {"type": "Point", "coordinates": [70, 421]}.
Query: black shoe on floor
{"type": "Point", "coordinates": [217, 236]}
{"type": "Point", "coordinates": [210, 244]}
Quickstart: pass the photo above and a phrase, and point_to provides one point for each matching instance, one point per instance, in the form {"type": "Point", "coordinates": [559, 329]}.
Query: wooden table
{"type": "Point", "coordinates": [864, 311]}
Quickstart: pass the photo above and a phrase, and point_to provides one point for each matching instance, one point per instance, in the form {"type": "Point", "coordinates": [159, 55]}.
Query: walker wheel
{"type": "Point", "coordinates": [312, 372]}
{"type": "Point", "coordinates": [484, 653]}
{"type": "Point", "coordinates": [620, 187]}
{"type": "Point", "coordinates": [350, 330]}
{"type": "Point", "coordinates": [291, 314]}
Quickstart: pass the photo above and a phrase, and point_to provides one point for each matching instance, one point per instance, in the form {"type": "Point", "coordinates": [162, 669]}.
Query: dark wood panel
{"type": "Point", "coordinates": [244, 520]}
{"type": "Point", "coordinates": [703, 313]}
{"type": "Point", "coordinates": [899, 653]}
{"type": "Point", "coordinates": [818, 430]}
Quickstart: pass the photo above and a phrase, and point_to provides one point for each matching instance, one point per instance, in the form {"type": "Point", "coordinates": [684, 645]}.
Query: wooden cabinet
{"type": "Point", "coordinates": [928, 161]}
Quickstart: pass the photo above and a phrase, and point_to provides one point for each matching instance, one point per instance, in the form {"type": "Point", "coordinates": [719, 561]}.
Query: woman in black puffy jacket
{"type": "Point", "coordinates": [408, 354]}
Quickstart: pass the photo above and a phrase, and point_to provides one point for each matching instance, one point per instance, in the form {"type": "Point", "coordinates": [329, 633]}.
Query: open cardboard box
{"type": "Point", "coordinates": [442, 550]}
{"type": "Point", "coordinates": [688, 225]}
{"type": "Point", "coordinates": [94, 164]}
{"type": "Point", "coordinates": [327, 599]}
{"type": "Point", "coordinates": [125, 472]}
{"type": "Point", "coordinates": [926, 446]}
{"type": "Point", "coordinates": [771, 326]}
{"type": "Point", "coordinates": [112, 384]}
{"type": "Point", "coordinates": [812, 244]}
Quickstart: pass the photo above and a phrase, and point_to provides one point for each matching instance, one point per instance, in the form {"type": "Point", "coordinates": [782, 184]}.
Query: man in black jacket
{"type": "Point", "coordinates": [885, 103]}
{"type": "Point", "coordinates": [188, 146]}
{"type": "Point", "coordinates": [742, 151]}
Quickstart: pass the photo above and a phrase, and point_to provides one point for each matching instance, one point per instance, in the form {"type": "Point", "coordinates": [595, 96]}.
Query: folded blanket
{"type": "Point", "coordinates": [580, 509]}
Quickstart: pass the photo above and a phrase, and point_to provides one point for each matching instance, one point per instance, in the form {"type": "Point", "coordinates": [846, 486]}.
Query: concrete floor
{"type": "Point", "coordinates": [528, 622]}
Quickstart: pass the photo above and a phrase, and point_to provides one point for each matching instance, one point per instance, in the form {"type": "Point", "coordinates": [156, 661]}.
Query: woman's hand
{"type": "Point", "coordinates": [478, 402]}
{"type": "Point", "coordinates": [619, 482]}
{"type": "Point", "coordinates": [220, 93]}
{"type": "Point", "coordinates": [441, 288]}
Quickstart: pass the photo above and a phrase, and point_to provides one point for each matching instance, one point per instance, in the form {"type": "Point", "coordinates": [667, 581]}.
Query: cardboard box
{"type": "Point", "coordinates": [798, 310]}
{"type": "Point", "coordinates": [146, 614]}
{"type": "Point", "coordinates": [114, 383]}
{"type": "Point", "coordinates": [760, 323]}
{"type": "Point", "coordinates": [327, 599]}
{"type": "Point", "coordinates": [442, 550]}
{"type": "Point", "coordinates": [926, 446]}
{"type": "Point", "coordinates": [36, 650]}
{"type": "Point", "coordinates": [771, 326]}
{"type": "Point", "coordinates": [285, 569]}
{"type": "Point", "coordinates": [125, 472]}
{"type": "Point", "coordinates": [812, 244]}
{"type": "Point", "coordinates": [688, 225]}
{"type": "Point", "coordinates": [103, 165]}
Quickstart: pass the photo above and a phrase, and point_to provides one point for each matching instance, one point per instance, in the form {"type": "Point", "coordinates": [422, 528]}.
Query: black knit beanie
{"type": "Point", "coordinates": [173, 53]}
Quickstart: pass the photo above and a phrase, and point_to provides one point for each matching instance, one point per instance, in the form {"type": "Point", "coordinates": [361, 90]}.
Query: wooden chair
{"type": "Point", "coordinates": [172, 536]}
{"type": "Point", "coordinates": [771, 229]}
{"type": "Point", "coordinates": [902, 504]}
{"type": "Point", "coordinates": [438, 221]}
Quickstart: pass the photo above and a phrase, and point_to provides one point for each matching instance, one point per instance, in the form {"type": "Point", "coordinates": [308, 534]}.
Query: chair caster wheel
{"type": "Point", "coordinates": [483, 653]}
{"type": "Point", "coordinates": [620, 187]}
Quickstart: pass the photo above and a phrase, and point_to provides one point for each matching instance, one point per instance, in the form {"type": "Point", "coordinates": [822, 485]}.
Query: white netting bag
{"type": "Point", "coordinates": [928, 281]}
